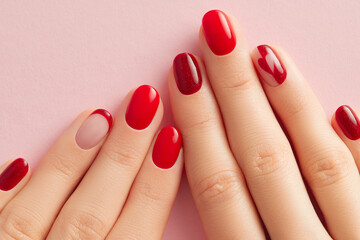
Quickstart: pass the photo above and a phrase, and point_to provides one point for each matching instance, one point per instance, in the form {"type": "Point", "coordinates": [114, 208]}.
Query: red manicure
{"type": "Point", "coordinates": [106, 115]}
{"type": "Point", "coordinates": [187, 73]}
{"type": "Point", "coordinates": [13, 174]}
{"type": "Point", "coordinates": [348, 122]}
{"type": "Point", "coordinates": [270, 63]}
{"type": "Point", "coordinates": [142, 107]}
{"type": "Point", "coordinates": [218, 32]}
{"type": "Point", "coordinates": [167, 147]}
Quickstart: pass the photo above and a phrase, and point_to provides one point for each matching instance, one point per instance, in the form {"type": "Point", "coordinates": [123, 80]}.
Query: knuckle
{"type": "Point", "coordinates": [148, 193]}
{"type": "Point", "coordinates": [264, 161]}
{"type": "Point", "coordinates": [84, 225]}
{"type": "Point", "coordinates": [203, 122]}
{"type": "Point", "coordinates": [63, 165]}
{"type": "Point", "coordinates": [235, 78]}
{"type": "Point", "coordinates": [238, 84]}
{"type": "Point", "coordinates": [298, 104]}
{"type": "Point", "coordinates": [328, 167]}
{"type": "Point", "coordinates": [126, 157]}
{"type": "Point", "coordinates": [219, 187]}
{"type": "Point", "coordinates": [20, 224]}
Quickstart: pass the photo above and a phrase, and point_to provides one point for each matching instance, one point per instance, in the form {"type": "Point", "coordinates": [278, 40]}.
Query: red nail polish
{"type": "Point", "coordinates": [106, 115]}
{"type": "Point", "coordinates": [218, 32]}
{"type": "Point", "coordinates": [142, 107]}
{"type": "Point", "coordinates": [187, 73]}
{"type": "Point", "coordinates": [167, 147]}
{"type": "Point", "coordinates": [348, 122]}
{"type": "Point", "coordinates": [271, 64]}
{"type": "Point", "coordinates": [94, 129]}
{"type": "Point", "coordinates": [13, 174]}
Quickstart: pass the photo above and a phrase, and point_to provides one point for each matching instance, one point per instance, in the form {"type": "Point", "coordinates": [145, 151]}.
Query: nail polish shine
{"type": "Point", "coordinates": [142, 107]}
{"type": "Point", "coordinates": [218, 32]}
{"type": "Point", "coordinates": [348, 122]}
{"type": "Point", "coordinates": [13, 174]}
{"type": "Point", "coordinates": [187, 73]}
{"type": "Point", "coordinates": [167, 147]}
{"type": "Point", "coordinates": [268, 61]}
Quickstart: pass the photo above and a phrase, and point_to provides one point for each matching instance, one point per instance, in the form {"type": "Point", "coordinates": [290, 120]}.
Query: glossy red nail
{"type": "Point", "coordinates": [13, 174]}
{"type": "Point", "coordinates": [142, 107]}
{"type": "Point", "coordinates": [218, 32]}
{"type": "Point", "coordinates": [268, 61]}
{"type": "Point", "coordinates": [187, 73]}
{"type": "Point", "coordinates": [167, 147]}
{"type": "Point", "coordinates": [348, 122]}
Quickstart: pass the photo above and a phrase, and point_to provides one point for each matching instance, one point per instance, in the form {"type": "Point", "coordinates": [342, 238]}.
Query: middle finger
{"type": "Point", "coordinates": [266, 159]}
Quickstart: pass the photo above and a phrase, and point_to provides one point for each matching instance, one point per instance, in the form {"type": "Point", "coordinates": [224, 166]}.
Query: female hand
{"type": "Point", "coordinates": [239, 161]}
{"type": "Point", "coordinates": [95, 183]}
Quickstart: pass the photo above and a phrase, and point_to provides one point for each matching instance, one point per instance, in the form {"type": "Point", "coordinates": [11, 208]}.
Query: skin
{"type": "Point", "coordinates": [62, 201]}
{"type": "Point", "coordinates": [242, 170]}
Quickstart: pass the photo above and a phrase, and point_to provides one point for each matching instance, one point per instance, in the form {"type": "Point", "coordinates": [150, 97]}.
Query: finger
{"type": "Point", "coordinates": [347, 126]}
{"type": "Point", "coordinates": [93, 208]}
{"type": "Point", "coordinates": [31, 213]}
{"type": "Point", "coordinates": [216, 182]}
{"type": "Point", "coordinates": [256, 139]}
{"type": "Point", "coordinates": [13, 176]}
{"type": "Point", "coordinates": [152, 195]}
{"type": "Point", "coordinates": [325, 161]}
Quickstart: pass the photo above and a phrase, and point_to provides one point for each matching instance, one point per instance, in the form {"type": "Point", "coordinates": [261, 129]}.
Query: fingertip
{"type": "Point", "coordinates": [13, 173]}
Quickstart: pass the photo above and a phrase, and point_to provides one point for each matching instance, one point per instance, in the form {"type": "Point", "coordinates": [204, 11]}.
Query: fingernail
{"type": "Point", "coordinates": [348, 122]}
{"type": "Point", "coordinates": [94, 129]}
{"type": "Point", "coordinates": [187, 73]}
{"type": "Point", "coordinates": [269, 66]}
{"type": "Point", "coordinates": [167, 147]}
{"type": "Point", "coordinates": [218, 32]}
{"type": "Point", "coordinates": [13, 174]}
{"type": "Point", "coordinates": [142, 107]}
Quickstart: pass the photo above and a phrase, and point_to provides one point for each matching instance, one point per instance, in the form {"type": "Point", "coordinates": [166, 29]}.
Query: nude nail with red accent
{"type": "Point", "coordinates": [142, 107]}
{"type": "Point", "coordinates": [187, 73]}
{"type": "Point", "coordinates": [13, 174]}
{"type": "Point", "coordinates": [94, 129]}
{"type": "Point", "coordinates": [269, 65]}
{"type": "Point", "coordinates": [218, 32]}
{"type": "Point", "coordinates": [348, 122]}
{"type": "Point", "coordinates": [167, 147]}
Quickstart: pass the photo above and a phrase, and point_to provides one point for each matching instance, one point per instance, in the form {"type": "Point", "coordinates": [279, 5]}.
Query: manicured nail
{"type": "Point", "coordinates": [187, 73]}
{"type": "Point", "coordinates": [348, 122]}
{"type": "Point", "coordinates": [13, 174]}
{"type": "Point", "coordinates": [167, 147]}
{"type": "Point", "coordinates": [218, 32]}
{"type": "Point", "coordinates": [269, 66]}
{"type": "Point", "coordinates": [94, 129]}
{"type": "Point", "coordinates": [142, 107]}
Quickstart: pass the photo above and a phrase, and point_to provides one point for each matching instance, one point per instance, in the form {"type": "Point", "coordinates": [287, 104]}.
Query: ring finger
{"type": "Point", "coordinates": [325, 161]}
{"type": "Point", "coordinates": [256, 138]}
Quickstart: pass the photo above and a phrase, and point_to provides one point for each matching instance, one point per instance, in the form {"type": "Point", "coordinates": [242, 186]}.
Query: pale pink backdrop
{"type": "Point", "coordinates": [58, 58]}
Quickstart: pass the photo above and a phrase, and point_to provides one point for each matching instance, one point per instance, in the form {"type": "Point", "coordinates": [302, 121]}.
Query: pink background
{"type": "Point", "coordinates": [58, 58]}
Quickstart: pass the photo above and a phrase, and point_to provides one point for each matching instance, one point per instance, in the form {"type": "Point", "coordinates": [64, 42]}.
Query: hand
{"type": "Point", "coordinates": [93, 186]}
{"type": "Point", "coordinates": [239, 161]}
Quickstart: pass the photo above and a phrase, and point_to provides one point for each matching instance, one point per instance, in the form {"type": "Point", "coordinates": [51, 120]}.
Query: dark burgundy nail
{"type": "Point", "coordinates": [13, 174]}
{"type": "Point", "coordinates": [348, 122]}
{"type": "Point", "coordinates": [187, 73]}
